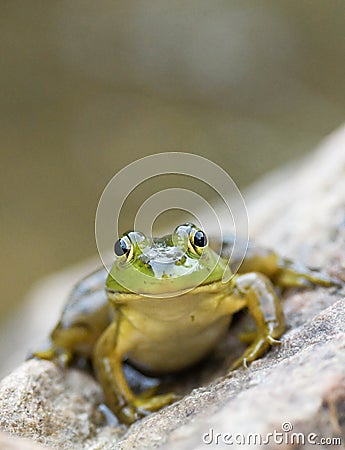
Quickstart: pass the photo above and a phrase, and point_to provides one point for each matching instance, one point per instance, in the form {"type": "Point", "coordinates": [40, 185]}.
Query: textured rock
{"type": "Point", "coordinates": [39, 401]}
{"type": "Point", "coordinates": [301, 384]}
{"type": "Point", "coordinates": [10, 443]}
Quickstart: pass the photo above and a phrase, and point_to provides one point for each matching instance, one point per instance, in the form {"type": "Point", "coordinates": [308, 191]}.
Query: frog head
{"type": "Point", "coordinates": [165, 266]}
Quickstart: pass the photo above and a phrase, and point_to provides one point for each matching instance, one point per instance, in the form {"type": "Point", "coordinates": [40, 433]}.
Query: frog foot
{"type": "Point", "coordinates": [256, 349]}
{"type": "Point", "coordinates": [60, 357]}
{"type": "Point", "coordinates": [154, 403]}
{"type": "Point", "coordinates": [129, 414]}
{"type": "Point", "coordinates": [142, 405]}
{"type": "Point", "coordinates": [148, 393]}
{"type": "Point", "coordinates": [295, 274]}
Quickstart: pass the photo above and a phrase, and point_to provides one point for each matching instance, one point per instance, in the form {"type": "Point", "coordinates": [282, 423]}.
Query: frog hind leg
{"type": "Point", "coordinates": [108, 358]}
{"type": "Point", "coordinates": [78, 329]}
{"type": "Point", "coordinates": [291, 274]}
{"type": "Point", "coordinates": [282, 271]}
{"type": "Point", "coordinates": [265, 308]}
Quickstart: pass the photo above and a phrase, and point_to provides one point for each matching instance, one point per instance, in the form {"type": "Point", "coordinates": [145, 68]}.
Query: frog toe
{"type": "Point", "coordinates": [240, 362]}
{"type": "Point", "coordinates": [272, 341]}
{"type": "Point", "coordinates": [60, 357]}
{"type": "Point", "coordinates": [143, 405]}
{"type": "Point", "coordinates": [129, 414]}
{"type": "Point", "coordinates": [260, 346]}
{"type": "Point", "coordinates": [155, 402]}
{"type": "Point", "coordinates": [148, 393]}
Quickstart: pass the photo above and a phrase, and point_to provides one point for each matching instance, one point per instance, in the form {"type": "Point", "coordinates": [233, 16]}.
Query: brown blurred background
{"type": "Point", "coordinates": [87, 87]}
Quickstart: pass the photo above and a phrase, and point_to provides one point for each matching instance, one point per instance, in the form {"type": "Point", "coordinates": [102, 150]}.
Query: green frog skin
{"type": "Point", "coordinates": [167, 294]}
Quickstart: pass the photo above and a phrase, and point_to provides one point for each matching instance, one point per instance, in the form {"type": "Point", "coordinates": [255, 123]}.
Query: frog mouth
{"type": "Point", "coordinates": [158, 291]}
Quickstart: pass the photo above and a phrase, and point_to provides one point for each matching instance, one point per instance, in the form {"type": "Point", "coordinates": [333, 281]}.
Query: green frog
{"type": "Point", "coordinates": [166, 305]}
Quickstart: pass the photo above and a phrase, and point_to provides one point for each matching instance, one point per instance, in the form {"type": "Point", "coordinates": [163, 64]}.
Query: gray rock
{"type": "Point", "coordinates": [296, 388]}
{"type": "Point", "coordinates": [11, 443]}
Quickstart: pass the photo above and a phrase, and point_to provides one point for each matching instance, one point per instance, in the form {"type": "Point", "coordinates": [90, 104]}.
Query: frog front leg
{"type": "Point", "coordinates": [263, 304]}
{"type": "Point", "coordinates": [111, 349]}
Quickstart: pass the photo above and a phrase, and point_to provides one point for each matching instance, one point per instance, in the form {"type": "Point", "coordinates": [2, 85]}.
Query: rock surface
{"type": "Point", "coordinates": [11, 443]}
{"type": "Point", "coordinates": [299, 210]}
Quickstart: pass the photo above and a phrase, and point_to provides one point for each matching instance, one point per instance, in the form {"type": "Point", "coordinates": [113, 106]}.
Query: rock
{"type": "Point", "coordinates": [298, 387]}
{"type": "Point", "coordinates": [40, 401]}
{"type": "Point", "coordinates": [10, 443]}
{"type": "Point", "coordinates": [289, 389]}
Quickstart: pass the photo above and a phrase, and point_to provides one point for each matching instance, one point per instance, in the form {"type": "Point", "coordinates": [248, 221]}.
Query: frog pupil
{"type": "Point", "coordinates": [120, 247]}
{"type": "Point", "coordinates": [200, 239]}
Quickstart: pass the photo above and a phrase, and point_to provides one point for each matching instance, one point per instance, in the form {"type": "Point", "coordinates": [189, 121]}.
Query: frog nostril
{"type": "Point", "coordinates": [181, 261]}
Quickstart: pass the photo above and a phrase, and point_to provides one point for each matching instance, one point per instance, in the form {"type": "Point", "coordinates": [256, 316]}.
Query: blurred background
{"type": "Point", "coordinates": [88, 87]}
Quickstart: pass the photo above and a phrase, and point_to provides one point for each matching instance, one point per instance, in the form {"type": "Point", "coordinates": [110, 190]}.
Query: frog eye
{"type": "Point", "coordinates": [197, 241]}
{"type": "Point", "coordinates": [123, 248]}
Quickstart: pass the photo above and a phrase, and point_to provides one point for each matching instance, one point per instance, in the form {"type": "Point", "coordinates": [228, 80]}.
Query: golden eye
{"type": "Point", "coordinates": [197, 241]}
{"type": "Point", "coordinates": [123, 249]}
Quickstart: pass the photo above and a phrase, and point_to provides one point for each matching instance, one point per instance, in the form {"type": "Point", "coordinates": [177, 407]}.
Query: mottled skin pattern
{"type": "Point", "coordinates": [163, 334]}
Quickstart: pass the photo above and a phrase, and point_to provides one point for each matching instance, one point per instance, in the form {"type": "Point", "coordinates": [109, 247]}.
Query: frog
{"type": "Point", "coordinates": [165, 305]}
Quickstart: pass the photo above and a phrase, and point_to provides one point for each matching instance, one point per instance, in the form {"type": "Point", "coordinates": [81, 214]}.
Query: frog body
{"type": "Point", "coordinates": [201, 325]}
{"type": "Point", "coordinates": [166, 305]}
